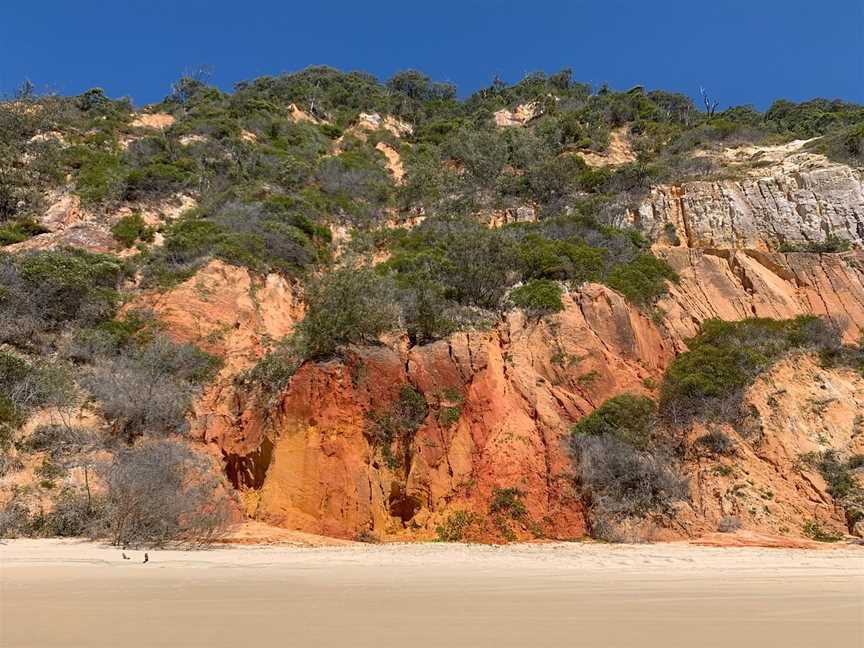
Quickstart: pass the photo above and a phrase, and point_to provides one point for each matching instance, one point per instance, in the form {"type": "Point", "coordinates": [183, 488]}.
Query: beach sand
{"type": "Point", "coordinates": [71, 593]}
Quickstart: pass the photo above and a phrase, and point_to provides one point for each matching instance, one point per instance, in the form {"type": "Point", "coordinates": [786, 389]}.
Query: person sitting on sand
{"type": "Point", "coordinates": [125, 557]}
{"type": "Point", "coordinates": [146, 558]}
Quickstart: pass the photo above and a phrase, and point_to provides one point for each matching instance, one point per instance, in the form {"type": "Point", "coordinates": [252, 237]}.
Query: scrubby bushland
{"type": "Point", "coordinates": [708, 381]}
{"type": "Point", "coordinates": [273, 235]}
{"type": "Point", "coordinates": [830, 244]}
{"type": "Point", "coordinates": [18, 230]}
{"type": "Point", "coordinates": [160, 491]}
{"type": "Point", "coordinates": [79, 136]}
{"type": "Point", "coordinates": [132, 228]}
{"type": "Point", "coordinates": [624, 465]}
{"type": "Point", "coordinates": [26, 385]}
{"type": "Point", "coordinates": [347, 306]}
{"type": "Point", "coordinates": [619, 481]}
{"type": "Point", "coordinates": [457, 527]}
{"type": "Point", "coordinates": [148, 388]}
{"type": "Point", "coordinates": [41, 292]}
{"type": "Point", "coordinates": [538, 297]}
{"type": "Point", "coordinates": [629, 418]}
{"type": "Point", "coordinates": [459, 261]}
{"type": "Point", "coordinates": [452, 273]}
{"type": "Point", "coordinates": [716, 442]}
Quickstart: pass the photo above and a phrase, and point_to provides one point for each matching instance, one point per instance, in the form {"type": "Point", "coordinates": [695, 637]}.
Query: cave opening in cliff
{"type": "Point", "coordinates": [250, 470]}
{"type": "Point", "coordinates": [401, 504]}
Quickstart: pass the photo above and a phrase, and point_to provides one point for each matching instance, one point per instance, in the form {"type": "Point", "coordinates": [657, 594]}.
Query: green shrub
{"type": "Point", "coordinates": [538, 297]}
{"type": "Point", "coordinates": [708, 380]}
{"type": "Point", "coordinates": [156, 178]}
{"type": "Point", "coordinates": [347, 306]}
{"type": "Point", "coordinates": [270, 235]}
{"type": "Point", "coordinates": [132, 228]}
{"type": "Point", "coordinates": [101, 176]}
{"type": "Point", "coordinates": [42, 291]}
{"type": "Point", "coordinates": [627, 417]}
{"type": "Point", "coordinates": [836, 472]}
{"type": "Point", "coordinates": [831, 244]}
{"type": "Point", "coordinates": [508, 502]}
{"type": "Point", "coordinates": [19, 230]}
{"type": "Point", "coordinates": [815, 531]}
{"type": "Point", "coordinates": [398, 424]}
{"type": "Point", "coordinates": [456, 527]}
{"type": "Point", "coordinates": [73, 282]}
{"type": "Point", "coordinates": [330, 130]}
{"type": "Point", "coordinates": [642, 280]}
{"type": "Point", "coordinates": [26, 385]}
{"type": "Point", "coordinates": [273, 372]}
{"type": "Point", "coordinates": [448, 416]}
{"type": "Point", "coordinates": [569, 259]}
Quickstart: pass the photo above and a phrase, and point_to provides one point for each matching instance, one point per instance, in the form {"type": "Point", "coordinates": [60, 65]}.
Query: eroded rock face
{"type": "Point", "coordinates": [394, 161]}
{"type": "Point", "coordinates": [374, 121]}
{"type": "Point", "coordinates": [155, 121]}
{"type": "Point", "coordinates": [227, 312]}
{"type": "Point", "coordinates": [736, 284]}
{"type": "Point", "coordinates": [618, 152]}
{"type": "Point", "coordinates": [518, 117]}
{"type": "Point", "coordinates": [800, 201]}
{"type": "Point", "coordinates": [796, 408]}
{"type": "Point", "coordinates": [500, 404]}
{"type": "Point", "coordinates": [306, 461]}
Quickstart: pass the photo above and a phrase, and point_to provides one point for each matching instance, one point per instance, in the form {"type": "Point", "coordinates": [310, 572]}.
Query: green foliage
{"type": "Point", "coordinates": [398, 424]}
{"type": "Point", "coordinates": [508, 502]}
{"type": "Point", "coordinates": [448, 416]}
{"type": "Point", "coordinates": [538, 297]}
{"type": "Point", "coordinates": [101, 175]}
{"type": "Point", "coordinates": [708, 379]}
{"type": "Point", "coordinates": [812, 118]}
{"type": "Point", "coordinates": [815, 531]}
{"type": "Point", "coordinates": [459, 261]}
{"type": "Point", "coordinates": [836, 472]}
{"type": "Point", "coordinates": [19, 230]}
{"type": "Point", "coordinates": [643, 279]}
{"type": "Point", "coordinates": [831, 244]}
{"type": "Point", "coordinates": [331, 131]}
{"type": "Point", "coordinates": [26, 385]}
{"type": "Point", "coordinates": [272, 235]}
{"type": "Point", "coordinates": [132, 228]}
{"type": "Point", "coordinates": [42, 291]}
{"type": "Point", "coordinates": [627, 417]}
{"type": "Point", "coordinates": [456, 527]}
{"type": "Point", "coordinates": [347, 306]}
{"type": "Point", "coordinates": [273, 372]}
{"type": "Point", "coordinates": [561, 259]}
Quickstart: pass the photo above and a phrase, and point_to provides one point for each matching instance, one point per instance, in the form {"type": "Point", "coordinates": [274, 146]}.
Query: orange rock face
{"type": "Point", "coordinates": [501, 402]}
{"type": "Point", "coordinates": [795, 409]}
{"type": "Point", "coordinates": [499, 406]}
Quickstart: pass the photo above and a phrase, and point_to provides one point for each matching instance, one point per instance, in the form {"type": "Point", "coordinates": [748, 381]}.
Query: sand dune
{"type": "Point", "coordinates": [67, 593]}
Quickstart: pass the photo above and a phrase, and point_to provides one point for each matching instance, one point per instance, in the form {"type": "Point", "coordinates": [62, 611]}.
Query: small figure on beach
{"type": "Point", "coordinates": [125, 557]}
{"type": "Point", "coordinates": [146, 558]}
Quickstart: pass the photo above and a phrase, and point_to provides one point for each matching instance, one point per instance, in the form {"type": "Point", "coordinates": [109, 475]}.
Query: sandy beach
{"type": "Point", "coordinates": [70, 593]}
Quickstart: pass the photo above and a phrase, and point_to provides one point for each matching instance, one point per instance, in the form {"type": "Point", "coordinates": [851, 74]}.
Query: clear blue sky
{"type": "Point", "coordinates": [743, 51]}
